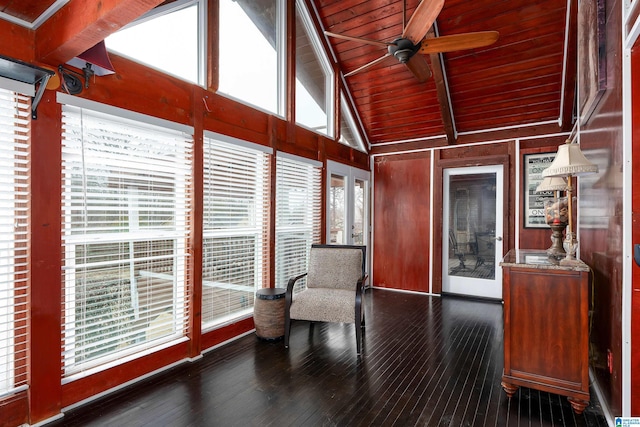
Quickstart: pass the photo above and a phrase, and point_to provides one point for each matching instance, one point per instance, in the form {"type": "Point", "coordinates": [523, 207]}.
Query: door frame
{"type": "Point", "coordinates": [351, 174]}
{"type": "Point", "coordinates": [508, 175]}
{"type": "Point", "coordinates": [462, 285]}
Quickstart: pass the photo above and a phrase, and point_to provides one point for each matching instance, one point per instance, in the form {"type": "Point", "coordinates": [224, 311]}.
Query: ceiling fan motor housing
{"type": "Point", "coordinates": [403, 49]}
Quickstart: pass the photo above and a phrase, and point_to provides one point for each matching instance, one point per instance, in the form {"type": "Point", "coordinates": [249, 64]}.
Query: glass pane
{"type": "Point", "coordinates": [249, 52]}
{"type": "Point", "coordinates": [168, 42]}
{"type": "Point", "coordinates": [348, 133]}
{"type": "Point", "coordinates": [311, 82]}
{"type": "Point", "coordinates": [229, 276]}
{"type": "Point", "coordinates": [337, 210]}
{"type": "Point", "coordinates": [359, 212]}
{"type": "Point", "coordinates": [472, 222]}
{"type": "Point", "coordinates": [121, 291]}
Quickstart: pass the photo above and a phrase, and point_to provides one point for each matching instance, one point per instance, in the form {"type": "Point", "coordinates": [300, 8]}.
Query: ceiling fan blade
{"type": "Point", "coordinates": [358, 39]}
{"type": "Point", "coordinates": [368, 64]}
{"type": "Point", "coordinates": [419, 66]}
{"type": "Point", "coordinates": [458, 42]}
{"type": "Point", "coordinates": [422, 19]}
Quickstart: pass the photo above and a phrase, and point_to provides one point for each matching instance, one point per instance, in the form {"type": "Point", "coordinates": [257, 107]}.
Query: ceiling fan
{"type": "Point", "coordinates": [414, 40]}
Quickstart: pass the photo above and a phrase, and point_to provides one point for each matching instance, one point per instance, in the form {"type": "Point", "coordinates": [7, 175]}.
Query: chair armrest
{"type": "Point", "coordinates": [361, 284]}
{"type": "Point", "coordinates": [290, 285]}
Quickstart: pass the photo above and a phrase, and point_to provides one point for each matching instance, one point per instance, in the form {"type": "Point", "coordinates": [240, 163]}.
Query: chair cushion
{"type": "Point", "coordinates": [324, 305]}
{"type": "Point", "coordinates": [338, 268]}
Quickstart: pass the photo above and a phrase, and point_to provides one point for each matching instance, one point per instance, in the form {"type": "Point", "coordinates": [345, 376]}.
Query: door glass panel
{"type": "Point", "coordinates": [472, 226]}
{"type": "Point", "coordinates": [359, 213]}
{"type": "Point", "coordinates": [337, 210]}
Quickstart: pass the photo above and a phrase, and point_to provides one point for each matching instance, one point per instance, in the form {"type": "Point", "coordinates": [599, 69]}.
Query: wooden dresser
{"type": "Point", "coordinates": [546, 326]}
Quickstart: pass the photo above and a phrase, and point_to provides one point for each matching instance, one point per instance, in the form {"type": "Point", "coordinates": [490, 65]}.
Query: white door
{"type": "Point", "coordinates": [347, 205]}
{"type": "Point", "coordinates": [472, 231]}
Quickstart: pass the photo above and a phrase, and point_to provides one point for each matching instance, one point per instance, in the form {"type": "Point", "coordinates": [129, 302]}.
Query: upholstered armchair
{"type": "Point", "coordinates": [335, 284]}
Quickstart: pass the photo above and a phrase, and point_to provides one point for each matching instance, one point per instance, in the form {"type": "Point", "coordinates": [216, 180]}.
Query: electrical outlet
{"type": "Point", "coordinates": [610, 361]}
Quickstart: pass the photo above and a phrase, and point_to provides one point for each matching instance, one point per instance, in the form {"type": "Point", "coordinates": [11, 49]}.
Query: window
{"type": "Point", "coordinates": [169, 38]}
{"type": "Point", "coordinates": [15, 111]}
{"type": "Point", "coordinates": [314, 77]}
{"type": "Point", "coordinates": [349, 134]}
{"type": "Point", "coordinates": [236, 214]}
{"type": "Point", "coordinates": [298, 214]}
{"type": "Point", "coordinates": [252, 52]}
{"type": "Point", "coordinates": [126, 209]}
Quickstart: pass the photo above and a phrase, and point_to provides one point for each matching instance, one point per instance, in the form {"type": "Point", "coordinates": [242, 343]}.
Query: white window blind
{"type": "Point", "coordinates": [298, 215]}
{"type": "Point", "coordinates": [126, 205]}
{"type": "Point", "coordinates": [235, 229]}
{"type": "Point", "coordinates": [15, 112]}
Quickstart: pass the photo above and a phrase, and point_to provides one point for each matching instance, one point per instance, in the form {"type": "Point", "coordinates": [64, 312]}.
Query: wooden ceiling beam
{"type": "Point", "coordinates": [81, 24]}
{"type": "Point", "coordinates": [442, 91]}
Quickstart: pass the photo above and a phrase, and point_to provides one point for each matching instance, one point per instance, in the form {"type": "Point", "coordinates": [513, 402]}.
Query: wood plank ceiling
{"type": "Point", "coordinates": [518, 81]}
{"type": "Point", "coordinates": [517, 86]}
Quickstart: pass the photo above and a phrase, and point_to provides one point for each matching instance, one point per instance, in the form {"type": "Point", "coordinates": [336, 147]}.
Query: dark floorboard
{"type": "Point", "coordinates": [428, 361]}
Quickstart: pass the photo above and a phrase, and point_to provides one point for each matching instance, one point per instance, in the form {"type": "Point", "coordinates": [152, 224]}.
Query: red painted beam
{"type": "Point", "coordinates": [81, 24]}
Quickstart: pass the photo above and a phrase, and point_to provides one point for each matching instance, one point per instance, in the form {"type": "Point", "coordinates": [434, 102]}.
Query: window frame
{"type": "Point", "coordinates": [323, 58]}
{"type": "Point", "coordinates": [179, 234]}
{"type": "Point", "coordinates": [202, 36]}
{"type": "Point", "coordinates": [260, 230]}
{"type": "Point", "coordinates": [281, 60]}
{"type": "Point", "coordinates": [348, 118]}
{"type": "Point", "coordinates": [312, 228]}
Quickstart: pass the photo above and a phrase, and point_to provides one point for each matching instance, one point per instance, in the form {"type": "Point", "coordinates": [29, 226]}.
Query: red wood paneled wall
{"type": "Point", "coordinates": [600, 226]}
{"type": "Point", "coordinates": [402, 210]}
{"type": "Point", "coordinates": [401, 222]}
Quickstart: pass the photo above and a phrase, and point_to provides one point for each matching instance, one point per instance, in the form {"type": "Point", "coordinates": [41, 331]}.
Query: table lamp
{"type": "Point", "coordinates": [570, 162]}
{"type": "Point", "coordinates": [555, 213]}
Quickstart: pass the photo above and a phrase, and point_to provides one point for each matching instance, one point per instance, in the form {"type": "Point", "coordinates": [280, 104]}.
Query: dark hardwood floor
{"type": "Point", "coordinates": [427, 361]}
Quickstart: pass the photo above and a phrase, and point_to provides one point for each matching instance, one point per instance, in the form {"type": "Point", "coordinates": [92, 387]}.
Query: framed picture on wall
{"type": "Point", "coordinates": [592, 69]}
{"type": "Point", "coordinates": [533, 212]}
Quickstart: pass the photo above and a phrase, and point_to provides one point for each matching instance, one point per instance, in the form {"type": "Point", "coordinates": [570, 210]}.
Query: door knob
{"type": "Point", "coordinates": [499, 239]}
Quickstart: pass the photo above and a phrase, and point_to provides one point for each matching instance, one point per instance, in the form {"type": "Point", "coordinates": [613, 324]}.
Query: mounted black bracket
{"type": "Point", "coordinates": [20, 71]}
{"type": "Point", "coordinates": [636, 253]}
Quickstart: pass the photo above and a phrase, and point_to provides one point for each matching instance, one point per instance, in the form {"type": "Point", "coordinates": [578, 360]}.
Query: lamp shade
{"type": "Point", "coordinates": [98, 57]}
{"type": "Point", "coordinates": [570, 161]}
{"type": "Point", "coordinates": [552, 183]}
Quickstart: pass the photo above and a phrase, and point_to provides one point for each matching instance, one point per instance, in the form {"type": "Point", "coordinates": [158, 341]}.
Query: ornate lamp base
{"type": "Point", "coordinates": [571, 247]}
{"type": "Point", "coordinates": [556, 250]}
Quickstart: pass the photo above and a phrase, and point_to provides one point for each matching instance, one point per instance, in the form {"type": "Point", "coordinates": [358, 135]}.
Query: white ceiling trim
{"type": "Point", "coordinates": [51, 10]}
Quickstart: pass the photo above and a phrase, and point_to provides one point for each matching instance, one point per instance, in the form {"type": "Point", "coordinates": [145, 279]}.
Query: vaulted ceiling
{"type": "Point", "coordinates": [524, 79]}
{"type": "Point", "coordinates": [522, 84]}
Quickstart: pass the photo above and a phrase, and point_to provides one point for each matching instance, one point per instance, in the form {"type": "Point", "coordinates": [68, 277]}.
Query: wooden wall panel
{"type": "Point", "coordinates": [91, 385]}
{"type": "Point", "coordinates": [600, 226]}
{"type": "Point", "coordinates": [14, 410]}
{"type": "Point", "coordinates": [46, 262]}
{"type": "Point", "coordinates": [141, 89]}
{"type": "Point", "coordinates": [16, 41]}
{"type": "Point", "coordinates": [401, 228]}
